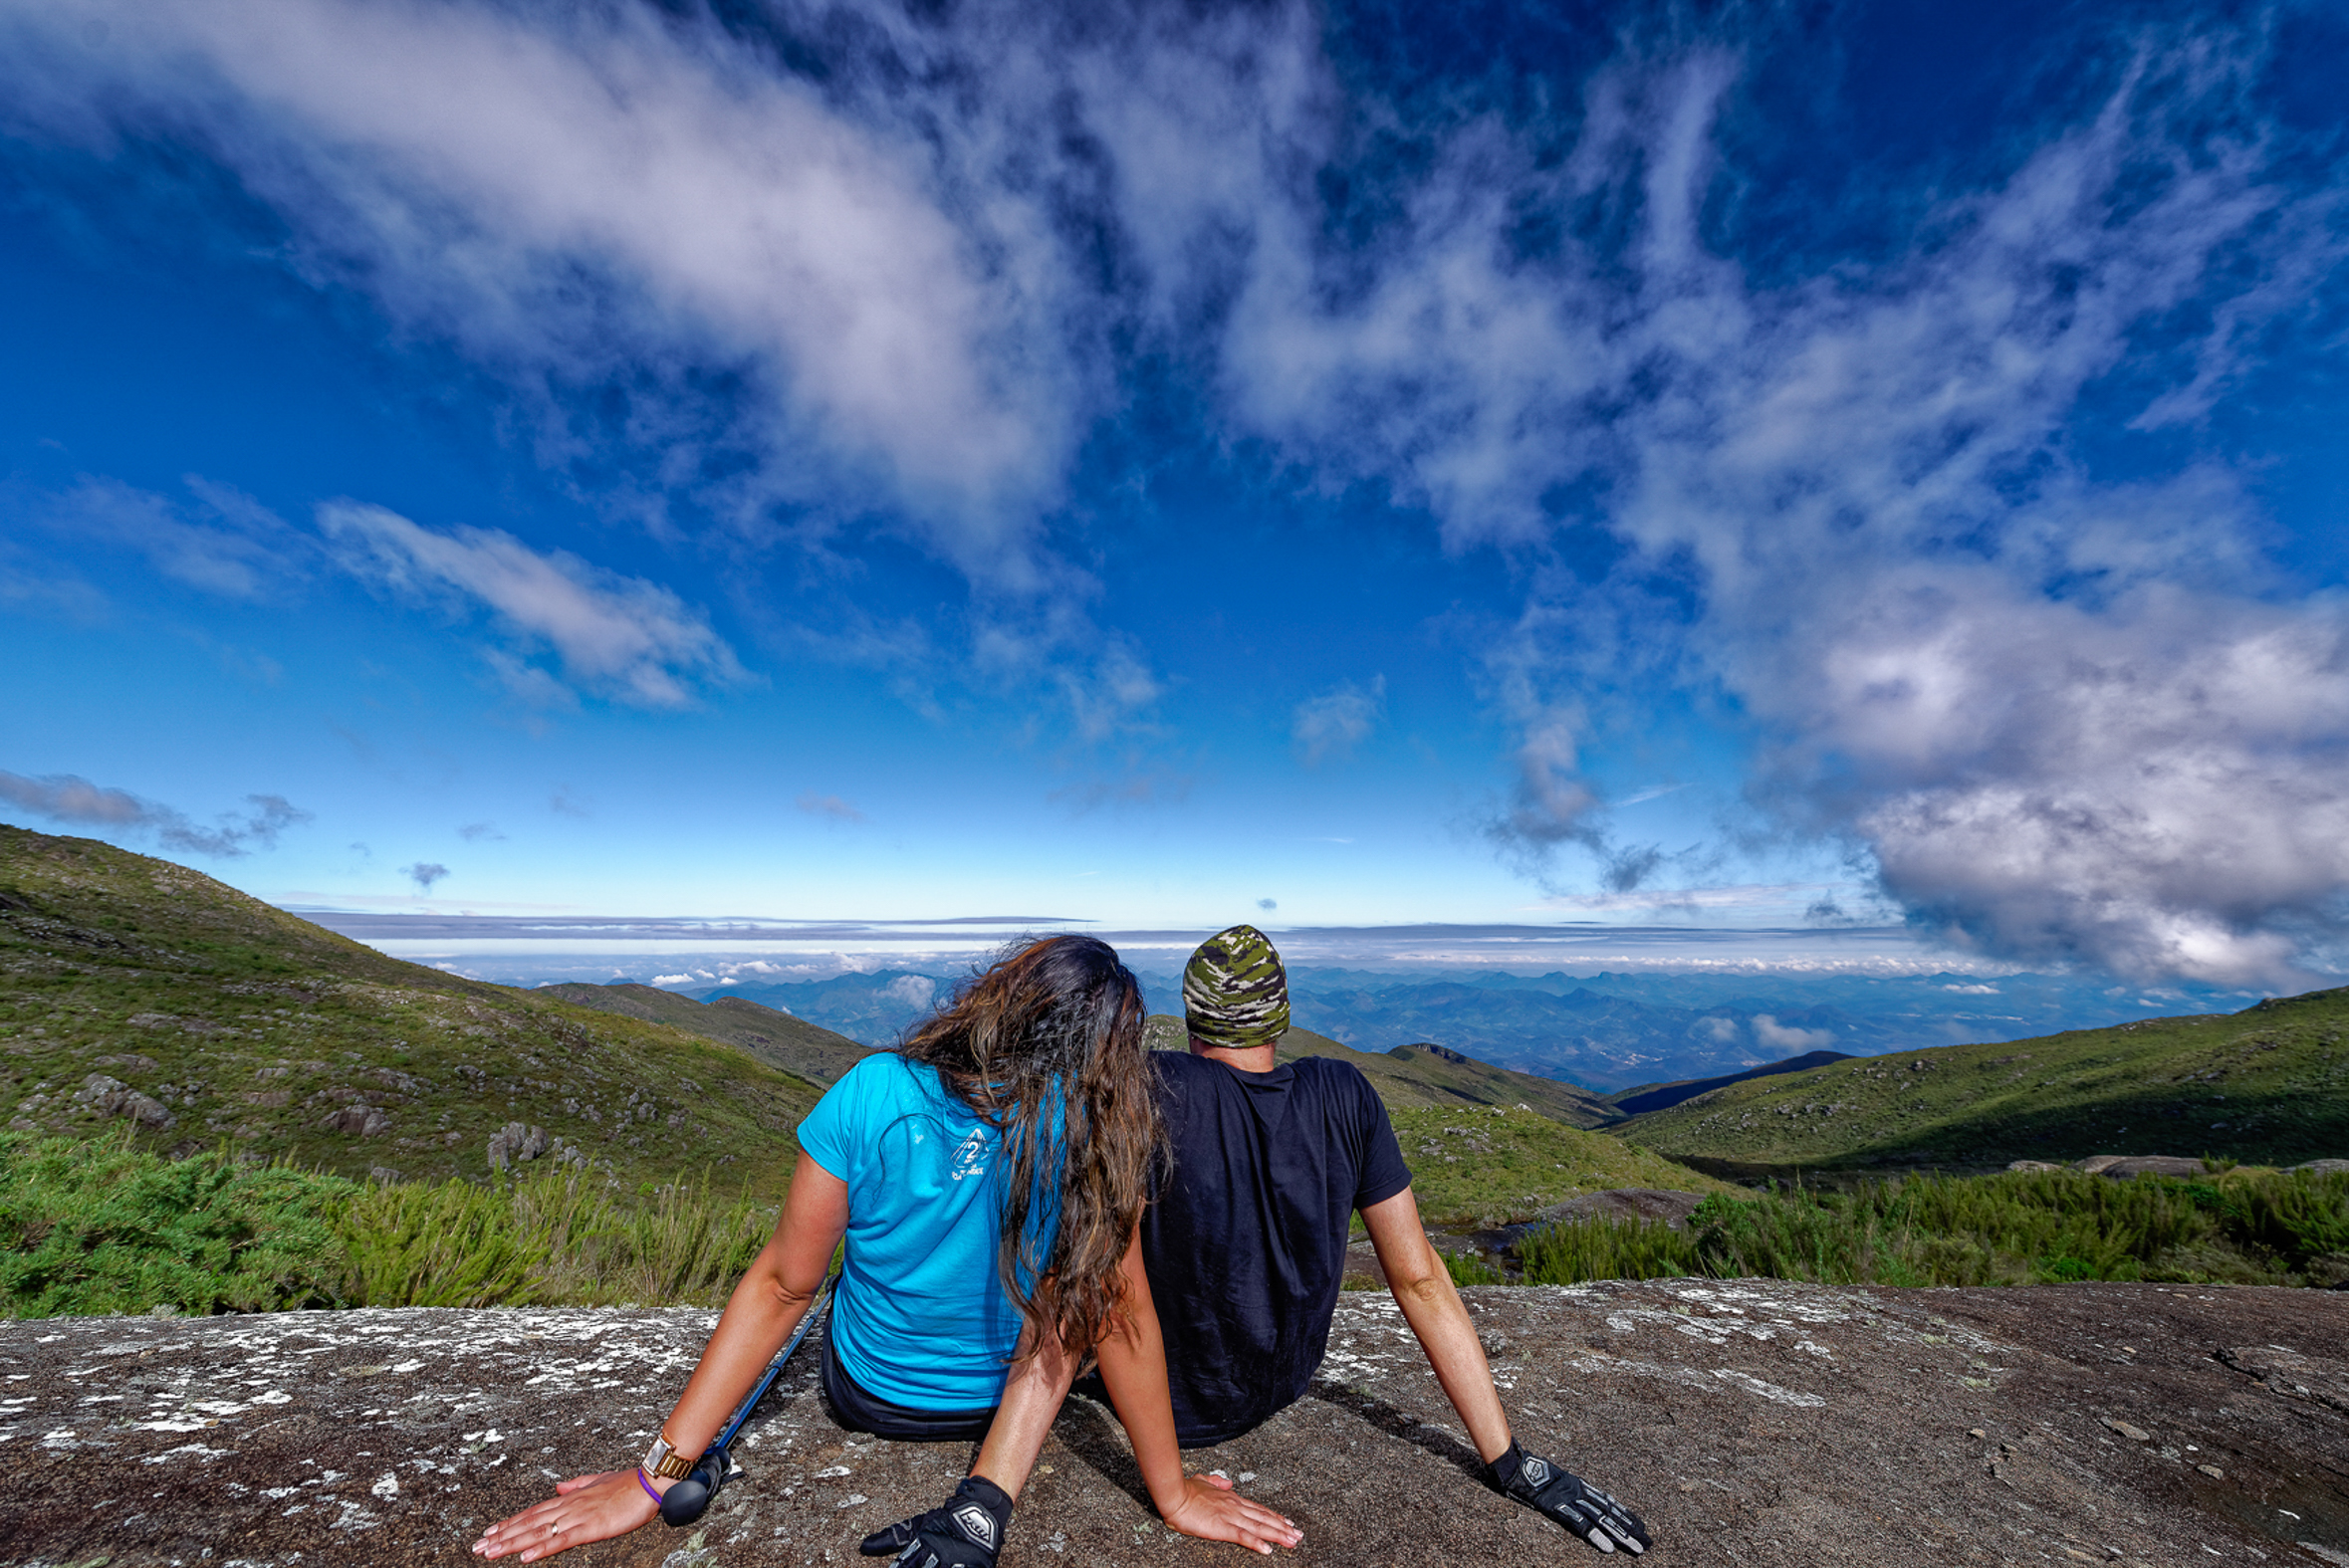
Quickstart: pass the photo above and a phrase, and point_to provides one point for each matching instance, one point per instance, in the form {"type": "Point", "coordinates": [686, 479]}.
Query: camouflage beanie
{"type": "Point", "coordinates": [1234, 992]}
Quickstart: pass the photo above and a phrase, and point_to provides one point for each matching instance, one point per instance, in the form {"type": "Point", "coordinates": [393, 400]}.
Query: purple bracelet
{"type": "Point", "coordinates": [645, 1481]}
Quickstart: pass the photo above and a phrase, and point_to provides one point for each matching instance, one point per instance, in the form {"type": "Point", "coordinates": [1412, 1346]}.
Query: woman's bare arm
{"type": "Point", "coordinates": [769, 1303]}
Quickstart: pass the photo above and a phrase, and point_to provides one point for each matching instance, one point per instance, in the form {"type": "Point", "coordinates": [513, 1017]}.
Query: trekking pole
{"type": "Point", "coordinates": [691, 1494]}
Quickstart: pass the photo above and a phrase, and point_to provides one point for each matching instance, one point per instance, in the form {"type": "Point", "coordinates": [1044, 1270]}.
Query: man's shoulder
{"type": "Point", "coordinates": [1334, 1077]}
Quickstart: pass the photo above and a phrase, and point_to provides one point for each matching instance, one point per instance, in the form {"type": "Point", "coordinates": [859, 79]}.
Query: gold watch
{"type": "Point", "coordinates": [664, 1462]}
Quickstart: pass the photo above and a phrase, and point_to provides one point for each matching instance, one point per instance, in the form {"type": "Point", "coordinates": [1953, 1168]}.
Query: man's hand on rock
{"type": "Point", "coordinates": [1213, 1511]}
{"type": "Point", "coordinates": [1583, 1509]}
{"type": "Point", "coordinates": [583, 1508]}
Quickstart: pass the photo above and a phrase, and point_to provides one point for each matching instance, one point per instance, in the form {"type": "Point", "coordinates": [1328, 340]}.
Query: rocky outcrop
{"type": "Point", "coordinates": [2121, 1166]}
{"type": "Point", "coordinates": [515, 1143]}
{"type": "Point", "coordinates": [112, 1097]}
{"type": "Point", "coordinates": [361, 1120]}
{"type": "Point", "coordinates": [1753, 1423]}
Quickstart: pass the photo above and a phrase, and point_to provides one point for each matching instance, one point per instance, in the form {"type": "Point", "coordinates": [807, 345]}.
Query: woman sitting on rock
{"type": "Point", "coordinates": [988, 1176]}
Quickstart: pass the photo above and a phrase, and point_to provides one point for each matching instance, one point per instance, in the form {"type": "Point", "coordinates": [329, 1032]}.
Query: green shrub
{"type": "Point", "coordinates": [2015, 1228]}
{"type": "Point", "coordinates": [99, 1226]}
{"type": "Point", "coordinates": [102, 1227]}
{"type": "Point", "coordinates": [545, 1240]}
{"type": "Point", "coordinates": [1470, 1268]}
{"type": "Point", "coordinates": [1603, 1249]}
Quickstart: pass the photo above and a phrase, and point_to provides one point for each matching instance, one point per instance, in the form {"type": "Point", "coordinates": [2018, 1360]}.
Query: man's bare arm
{"type": "Point", "coordinates": [1423, 1288]}
{"type": "Point", "coordinates": [1431, 1306]}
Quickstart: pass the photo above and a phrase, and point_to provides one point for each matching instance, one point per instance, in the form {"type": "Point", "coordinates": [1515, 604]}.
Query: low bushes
{"type": "Point", "coordinates": [93, 1227]}
{"type": "Point", "coordinates": [545, 1240]}
{"type": "Point", "coordinates": [2245, 1228]}
{"type": "Point", "coordinates": [97, 1227]}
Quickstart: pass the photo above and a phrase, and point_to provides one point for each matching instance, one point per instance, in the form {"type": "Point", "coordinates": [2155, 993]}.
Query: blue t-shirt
{"type": "Point", "coordinates": [920, 1317]}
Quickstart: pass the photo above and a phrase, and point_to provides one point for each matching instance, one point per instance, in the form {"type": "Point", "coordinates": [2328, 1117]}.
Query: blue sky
{"type": "Point", "coordinates": [1873, 464]}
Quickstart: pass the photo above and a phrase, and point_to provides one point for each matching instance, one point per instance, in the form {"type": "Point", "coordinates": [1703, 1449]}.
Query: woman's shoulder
{"type": "Point", "coordinates": [890, 1081]}
{"type": "Point", "coordinates": [885, 1073]}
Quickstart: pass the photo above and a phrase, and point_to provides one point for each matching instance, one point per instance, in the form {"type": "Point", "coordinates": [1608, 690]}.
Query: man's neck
{"type": "Point", "coordinates": [1247, 1058]}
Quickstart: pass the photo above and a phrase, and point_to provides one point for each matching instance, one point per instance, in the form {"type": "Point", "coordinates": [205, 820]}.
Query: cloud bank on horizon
{"type": "Point", "coordinates": [1905, 476]}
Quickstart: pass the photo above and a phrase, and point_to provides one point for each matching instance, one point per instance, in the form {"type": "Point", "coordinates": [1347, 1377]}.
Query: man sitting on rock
{"type": "Point", "coordinates": [1246, 1240]}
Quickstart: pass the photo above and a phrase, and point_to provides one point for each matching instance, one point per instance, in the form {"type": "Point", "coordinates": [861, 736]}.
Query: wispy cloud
{"type": "Point", "coordinates": [616, 636]}
{"type": "Point", "coordinates": [1145, 787]}
{"type": "Point", "coordinates": [829, 806]}
{"type": "Point", "coordinates": [475, 832]}
{"type": "Point", "coordinates": [217, 540]}
{"type": "Point", "coordinates": [64, 797]}
{"type": "Point", "coordinates": [1327, 728]}
{"type": "Point", "coordinates": [424, 873]}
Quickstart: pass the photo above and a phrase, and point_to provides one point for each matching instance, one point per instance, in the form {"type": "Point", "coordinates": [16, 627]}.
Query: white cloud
{"type": "Point", "coordinates": [573, 191]}
{"type": "Point", "coordinates": [2067, 718]}
{"type": "Point", "coordinates": [617, 636]}
{"type": "Point", "coordinates": [1770, 1034]}
{"type": "Point", "coordinates": [1328, 727]}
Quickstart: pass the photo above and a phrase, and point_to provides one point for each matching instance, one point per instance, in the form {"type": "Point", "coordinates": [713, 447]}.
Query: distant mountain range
{"type": "Point", "coordinates": [143, 997]}
{"type": "Point", "coordinates": [1605, 1032]}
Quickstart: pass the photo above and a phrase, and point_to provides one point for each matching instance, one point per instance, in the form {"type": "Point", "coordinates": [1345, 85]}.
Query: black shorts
{"type": "Point", "coordinates": [862, 1410]}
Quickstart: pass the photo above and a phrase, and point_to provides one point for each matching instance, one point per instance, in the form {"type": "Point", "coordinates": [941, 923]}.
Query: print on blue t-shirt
{"type": "Point", "coordinates": [921, 1318]}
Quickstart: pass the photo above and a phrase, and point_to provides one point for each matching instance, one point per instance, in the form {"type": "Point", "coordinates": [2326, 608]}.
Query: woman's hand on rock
{"type": "Point", "coordinates": [583, 1508]}
{"type": "Point", "coordinates": [1213, 1511]}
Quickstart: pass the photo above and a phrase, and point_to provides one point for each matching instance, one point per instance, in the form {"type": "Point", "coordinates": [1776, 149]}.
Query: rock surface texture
{"type": "Point", "coordinates": [1750, 1422]}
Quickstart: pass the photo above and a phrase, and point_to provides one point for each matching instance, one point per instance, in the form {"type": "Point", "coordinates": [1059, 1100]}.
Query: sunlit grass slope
{"type": "Point", "coordinates": [2269, 1086]}
{"type": "Point", "coordinates": [774, 1036]}
{"type": "Point", "coordinates": [221, 1021]}
{"type": "Point", "coordinates": [1473, 1168]}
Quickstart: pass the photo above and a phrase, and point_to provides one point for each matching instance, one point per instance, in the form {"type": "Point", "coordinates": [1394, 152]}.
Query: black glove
{"type": "Point", "coordinates": [1587, 1511]}
{"type": "Point", "coordinates": [966, 1533]}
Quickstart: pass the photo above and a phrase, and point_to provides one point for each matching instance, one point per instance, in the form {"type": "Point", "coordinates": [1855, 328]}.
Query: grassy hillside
{"type": "Point", "coordinates": [1424, 1076]}
{"type": "Point", "coordinates": [1473, 1169]}
{"type": "Point", "coordinates": [2269, 1086]}
{"type": "Point", "coordinates": [1642, 1098]}
{"type": "Point", "coordinates": [768, 1033]}
{"type": "Point", "coordinates": [139, 993]}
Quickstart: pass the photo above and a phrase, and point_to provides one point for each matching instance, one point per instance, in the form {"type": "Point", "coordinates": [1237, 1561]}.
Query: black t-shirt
{"type": "Point", "coordinates": [1245, 1242]}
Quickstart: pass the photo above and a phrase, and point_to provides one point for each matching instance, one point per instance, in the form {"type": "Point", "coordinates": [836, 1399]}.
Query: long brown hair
{"type": "Point", "coordinates": [1046, 1045]}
